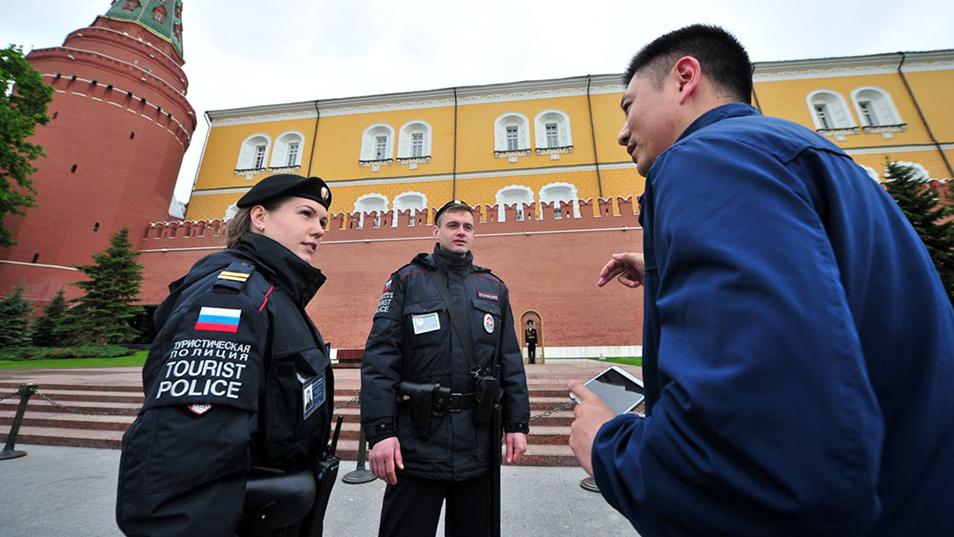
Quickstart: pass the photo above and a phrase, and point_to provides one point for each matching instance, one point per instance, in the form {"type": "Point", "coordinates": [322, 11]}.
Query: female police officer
{"type": "Point", "coordinates": [237, 383]}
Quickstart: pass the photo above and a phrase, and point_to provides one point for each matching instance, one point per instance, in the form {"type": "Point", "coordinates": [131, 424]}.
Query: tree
{"type": "Point", "coordinates": [922, 207]}
{"type": "Point", "coordinates": [14, 310]}
{"type": "Point", "coordinates": [103, 313]}
{"type": "Point", "coordinates": [53, 315]}
{"type": "Point", "coordinates": [23, 102]}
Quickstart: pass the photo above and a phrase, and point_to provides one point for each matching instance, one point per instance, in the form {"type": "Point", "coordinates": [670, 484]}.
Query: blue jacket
{"type": "Point", "coordinates": [798, 348]}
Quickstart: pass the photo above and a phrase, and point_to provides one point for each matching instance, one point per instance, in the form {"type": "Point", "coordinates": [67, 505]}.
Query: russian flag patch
{"type": "Point", "coordinates": [218, 320]}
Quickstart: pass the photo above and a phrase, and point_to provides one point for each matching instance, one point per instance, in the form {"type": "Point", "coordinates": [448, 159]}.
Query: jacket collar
{"type": "Point", "coordinates": [719, 113]}
{"type": "Point", "coordinates": [290, 273]}
{"type": "Point", "coordinates": [434, 261]}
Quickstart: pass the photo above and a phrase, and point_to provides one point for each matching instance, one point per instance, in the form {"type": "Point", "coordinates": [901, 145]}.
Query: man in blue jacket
{"type": "Point", "coordinates": [798, 346]}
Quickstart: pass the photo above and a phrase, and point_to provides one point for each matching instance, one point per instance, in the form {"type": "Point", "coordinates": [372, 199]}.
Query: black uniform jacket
{"type": "Point", "coordinates": [412, 339]}
{"type": "Point", "coordinates": [237, 377]}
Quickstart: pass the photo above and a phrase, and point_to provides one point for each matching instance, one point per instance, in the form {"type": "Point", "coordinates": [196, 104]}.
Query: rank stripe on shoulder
{"type": "Point", "coordinates": [234, 276]}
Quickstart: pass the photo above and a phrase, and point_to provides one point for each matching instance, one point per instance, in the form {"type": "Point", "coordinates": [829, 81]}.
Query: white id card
{"type": "Point", "coordinates": [427, 322]}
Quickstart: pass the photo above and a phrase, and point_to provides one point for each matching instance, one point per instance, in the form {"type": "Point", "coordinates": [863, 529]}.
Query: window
{"type": "Point", "coordinates": [513, 141]}
{"type": "Point", "coordinates": [557, 193]}
{"type": "Point", "coordinates": [415, 142]}
{"type": "Point", "coordinates": [371, 203]}
{"type": "Point", "coordinates": [253, 152]}
{"type": "Point", "coordinates": [287, 152]}
{"type": "Point", "coordinates": [875, 107]}
{"type": "Point", "coordinates": [376, 144]}
{"type": "Point", "coordinates": [829, 111]}
{"type": "Point", "coordinates": [553, 130]}
{"type": "Point", "coordinates": [511, 133]}
{"type": "Point", "coordinates": [413, 201]}
{"type": "Point", "coordinates": [513, 195]}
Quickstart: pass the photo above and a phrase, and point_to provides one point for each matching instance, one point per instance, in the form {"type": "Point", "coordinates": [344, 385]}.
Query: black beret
{"type": "Point", "coordinates": [287, 185]}
{"type": "Point", "coordinates": [452, 203]}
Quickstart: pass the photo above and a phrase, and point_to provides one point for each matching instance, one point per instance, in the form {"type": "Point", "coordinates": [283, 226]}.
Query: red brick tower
{"type": "Point", "coordinates": [120, 124]}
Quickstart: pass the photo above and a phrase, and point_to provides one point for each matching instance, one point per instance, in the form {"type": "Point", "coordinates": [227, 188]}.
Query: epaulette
{"type": "Point", "coordinates": [234, 276]}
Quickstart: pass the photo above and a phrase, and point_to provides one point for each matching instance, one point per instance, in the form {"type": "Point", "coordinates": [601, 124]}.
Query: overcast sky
{"type": "Point", "coordinates": [246, 52]}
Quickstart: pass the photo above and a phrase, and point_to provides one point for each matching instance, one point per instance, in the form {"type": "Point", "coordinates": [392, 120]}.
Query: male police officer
{"type": "Point", "coordinates": [441, 352]}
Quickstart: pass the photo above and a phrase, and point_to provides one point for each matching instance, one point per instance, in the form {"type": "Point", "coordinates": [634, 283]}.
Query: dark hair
{"type": "Point", "coordinates": [241, 223]}
{"type": "Point", "coordinates": [723, 59]}
{"type": "Point", "coordinates": [452, 206]}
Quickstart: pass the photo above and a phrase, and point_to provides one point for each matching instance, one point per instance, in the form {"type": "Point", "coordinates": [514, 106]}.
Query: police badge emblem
{"type": "Point", "coordinates": [489, 323]}
{"type": "Point", "coordinates": [199, 408]}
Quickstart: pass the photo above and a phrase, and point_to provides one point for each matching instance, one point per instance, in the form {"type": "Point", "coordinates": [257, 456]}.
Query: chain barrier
{"type": "Point", "coordinates": [9, 395]}
{"type": "Point", "coordinates": [350, 403]}
{"type": "Point", "coordinates": [88, 411]}
{"type": "Point", "coordinates": [553, 410]}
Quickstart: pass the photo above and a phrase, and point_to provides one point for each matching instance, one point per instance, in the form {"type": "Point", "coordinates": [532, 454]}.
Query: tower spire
{"type": "Point", "coordinates": [161, 17]}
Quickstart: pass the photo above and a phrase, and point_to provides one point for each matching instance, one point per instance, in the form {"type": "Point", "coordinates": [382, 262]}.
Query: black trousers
{"type": "Point", "coordinates": [532, 352]}
{"type": "Point", "coordinates": [412, 507]}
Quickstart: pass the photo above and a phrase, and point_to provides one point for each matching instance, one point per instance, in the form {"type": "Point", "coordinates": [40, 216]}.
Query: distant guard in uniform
{"type": "Point", "coordinates": [530, 336]}
{"type": "Point", "coordinates": [238, 387]}
{"type": "Point", "coordinates": [441, 353]}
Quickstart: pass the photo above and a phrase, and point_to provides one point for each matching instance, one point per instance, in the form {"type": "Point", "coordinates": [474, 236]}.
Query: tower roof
{"type": "Point", "coordinates": [161, 17]}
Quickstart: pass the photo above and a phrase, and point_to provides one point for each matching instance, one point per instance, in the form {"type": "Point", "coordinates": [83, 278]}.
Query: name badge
{"type": "Point", "coordinates": [313, 394]}
{"type": "Point", "coordinates": [425, 323]}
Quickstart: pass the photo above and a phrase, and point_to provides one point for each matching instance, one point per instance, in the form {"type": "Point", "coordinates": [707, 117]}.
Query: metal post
{"type": "Point", "coordinates": [589, 484]}
{"type": "Point", "coordinates": [26, 390]}
{"type": "Point", "coordinates": [360, 474]}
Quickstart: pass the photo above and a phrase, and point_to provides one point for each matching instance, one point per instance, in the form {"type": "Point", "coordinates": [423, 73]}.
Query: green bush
{"type": "Point", "coordinates": [55, 353]}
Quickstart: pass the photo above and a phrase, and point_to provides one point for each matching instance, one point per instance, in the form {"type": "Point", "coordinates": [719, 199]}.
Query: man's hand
{"type": "Point", "coordinates": [386, 458]}
{"type": "Point", "coordinates": [591, 413]}
{"type": "Point", "coordinates": [629, 266]}
{"type": "Point", "coordinates": [516, 447]}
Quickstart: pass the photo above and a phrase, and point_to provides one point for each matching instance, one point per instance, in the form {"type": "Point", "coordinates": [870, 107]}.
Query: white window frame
{"type": "Point", "coordinates": [839, 115]}
{"type": "Point", "coordinates": [547, 197]}
{"type": "Point", "coordinates": [280, 155]}
{"type": "Point", "coordinates": [510, 119]}
{"type": "Point", "coordinates": [885, 110]}
{"type": "Point", "coordinates": [502, 202]}
{"type": "Point", "coordinates": [369, 142]}
{"type": "Point", "coordinates": [564, 132]}
{"type": "Point", "coordinates": [400, 203]}
{"type": "Point", "coordinates": [406, 139]}
{"type": "Point", "coordinates": [360, 208]}
{"type": "Point", "coordinates": [247, 151]}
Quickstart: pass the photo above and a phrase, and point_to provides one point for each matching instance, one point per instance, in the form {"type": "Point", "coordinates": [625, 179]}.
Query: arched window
{"type": "Point", "coordinates": [253, 153]}
{"type": "Point", "coordinates": [371, 203]}
{"type": "Point", "coordinates": [829, 111]}
{"type": "Point", "coordinates": [415, 140]}
{"type": "Point", "coordinates": [513, 194]}
{"type": "Point", "coordinates": [875, 107]}
{"type": "Point", "coordinates": [552, 130]}
{"type": "Point", "coordinates": [512, 133]}
{"type": "Point", "coordinates": [559, 192]}
{"type": "Point", "coordinates": [415, 201]}
{"type": "Point", "coordinates": [377, 143]}
{"type": "Point", "coordinates": [287, 153]}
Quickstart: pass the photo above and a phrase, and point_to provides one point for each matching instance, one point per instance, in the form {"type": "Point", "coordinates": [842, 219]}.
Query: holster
{"type": "Point", "coordinates": [488, 390]}
{"type": "Point", "coordinates": [277, 501]}
{"type": "Point", "coordinates": [426, 401]}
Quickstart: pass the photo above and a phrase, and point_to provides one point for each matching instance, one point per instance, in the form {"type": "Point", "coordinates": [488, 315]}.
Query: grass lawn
{"type": "Point", "coordinates": [626, 360]}
{"type": "Point", "coordinates": [133, 360]}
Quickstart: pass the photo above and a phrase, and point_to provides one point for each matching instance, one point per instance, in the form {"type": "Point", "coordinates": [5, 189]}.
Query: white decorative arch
{"type": "Point", "coordinates": [557, 192]}
{"type": "Point", "coordinates": [253, 153]}
{"type": "Point", "coordinates": [409, 200]}
{"type": "Point", "coordinates": [875, 107]}
{"type": "Point", "coordinates": [513, 194]}
{"type": "Point", "coordinates": [408, 146]}
{"type": "Point", "coordinates": [371, 149]}
{"type": "Point", "coordinates": [552, 128]}
{"type": "Point", "coordinates": [829, 110]}
{"type": "Point", "coordinates": [288, 149]}
{"type": "Point", "coordinates": [371, 203]}
{"type": "Point", "coordinates": [504, 142]}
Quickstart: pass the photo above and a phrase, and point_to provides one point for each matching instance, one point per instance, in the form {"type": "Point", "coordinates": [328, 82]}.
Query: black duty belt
{"type": "Point", "coordinates": [461, 401]}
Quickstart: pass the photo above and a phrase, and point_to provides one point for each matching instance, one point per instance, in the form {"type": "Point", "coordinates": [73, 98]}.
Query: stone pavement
{"type": "Point", "coordinates": [71, 492]}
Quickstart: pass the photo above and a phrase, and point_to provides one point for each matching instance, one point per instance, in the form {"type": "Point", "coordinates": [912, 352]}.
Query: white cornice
{"type": "Point", "coordinates": [874, 64]}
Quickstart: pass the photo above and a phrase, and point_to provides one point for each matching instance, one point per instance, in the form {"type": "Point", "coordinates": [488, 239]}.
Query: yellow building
{"type": "Point", "coordinates": [554, 140]}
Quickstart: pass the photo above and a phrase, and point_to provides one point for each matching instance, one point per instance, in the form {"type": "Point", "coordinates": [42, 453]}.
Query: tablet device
{"type": "Point", "coordinates": [620, 391]}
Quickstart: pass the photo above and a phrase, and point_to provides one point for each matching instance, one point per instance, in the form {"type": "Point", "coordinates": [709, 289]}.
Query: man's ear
{"type": "Point", "coordinates": [688, 75]}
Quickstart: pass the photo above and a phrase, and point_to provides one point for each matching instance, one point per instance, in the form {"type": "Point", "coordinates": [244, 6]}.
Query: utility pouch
{"type": "Point", "coordinates": [421, 399]}
{"type": "Point", "coordinates": [488, 389]}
